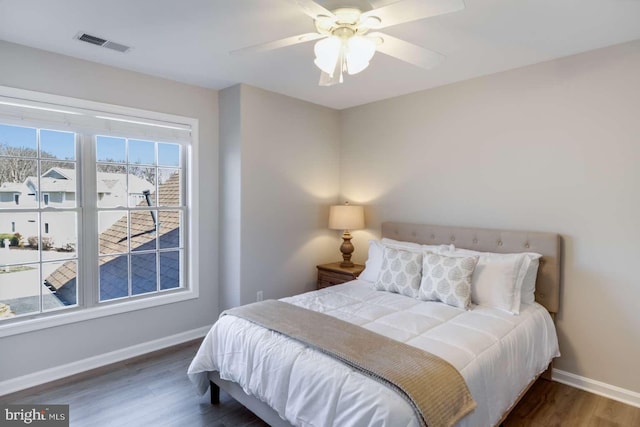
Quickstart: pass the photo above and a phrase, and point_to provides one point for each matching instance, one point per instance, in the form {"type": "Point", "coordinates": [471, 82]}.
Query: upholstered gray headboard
{"type": "Point", "coordinates": [488, 240]}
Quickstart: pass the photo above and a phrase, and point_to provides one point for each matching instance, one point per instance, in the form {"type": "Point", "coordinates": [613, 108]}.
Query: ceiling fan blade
{"type": "Point", "coordinates": [407, 52]}
{"type": "Point", "coordinates": [277, 44]}
{"type": "Point", "coordinates": [409, 10]}
{"type": "Point", "coordinates": [312, 8]}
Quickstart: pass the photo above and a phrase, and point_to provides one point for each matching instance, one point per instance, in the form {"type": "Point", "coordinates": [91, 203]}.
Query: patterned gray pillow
{"type": "Point", "coordinates": [400, 271]}
{"type": "Point", "coordinates": [447, 279]}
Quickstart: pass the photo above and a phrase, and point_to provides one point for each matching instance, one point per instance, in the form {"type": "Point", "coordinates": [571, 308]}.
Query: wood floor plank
{"type": "Point", "coordinates": [154, 390]}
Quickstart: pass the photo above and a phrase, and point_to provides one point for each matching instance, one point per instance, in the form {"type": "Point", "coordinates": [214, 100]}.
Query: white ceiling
{"type": "Point", "coordinates": [190, 40]}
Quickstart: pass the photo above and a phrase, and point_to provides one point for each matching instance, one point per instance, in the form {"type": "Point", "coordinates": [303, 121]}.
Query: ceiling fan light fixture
{"type": "Point", "coordinates": [353, 53]}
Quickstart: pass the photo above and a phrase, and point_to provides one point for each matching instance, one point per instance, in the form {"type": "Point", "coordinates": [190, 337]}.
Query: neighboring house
{"type": "Point", "coordinates": [11, 195]}
{"type": "Point", "coordinates": [57, 189]}
{"type": "Point", "coordinates": [114, 240]}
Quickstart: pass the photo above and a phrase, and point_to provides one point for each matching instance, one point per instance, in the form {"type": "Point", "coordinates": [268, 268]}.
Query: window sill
{"type": "Point", "coordinates": [25, 325]}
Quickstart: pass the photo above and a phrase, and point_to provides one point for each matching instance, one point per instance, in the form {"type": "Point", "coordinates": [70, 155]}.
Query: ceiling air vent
{"type": "Point", "coordinates": [98, 41]}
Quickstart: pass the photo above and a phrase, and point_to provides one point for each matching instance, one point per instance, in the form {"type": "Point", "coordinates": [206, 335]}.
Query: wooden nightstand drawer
{"type": "Point", "coordinates": [332, 274]}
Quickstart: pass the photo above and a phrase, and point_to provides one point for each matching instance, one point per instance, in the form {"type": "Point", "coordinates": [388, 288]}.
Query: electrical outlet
{"type": "Point", "coordinates": [259, 296]}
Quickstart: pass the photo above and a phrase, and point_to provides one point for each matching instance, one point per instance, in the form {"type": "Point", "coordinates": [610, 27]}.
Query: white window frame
{"type": "Point", "coordinates": [119, 120]}
{"type": "Point", "coordinates": [46, 198]}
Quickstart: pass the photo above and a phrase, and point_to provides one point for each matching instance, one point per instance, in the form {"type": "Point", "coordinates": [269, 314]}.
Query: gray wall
{"type": "Point", "coordinates": [549, 147]}
{"type": "Point", "coordinates": [282, 178]}
{"type": "Point", "coordinates": [230, 196]}
{"type": "Point", "coordinates": [26, 68]}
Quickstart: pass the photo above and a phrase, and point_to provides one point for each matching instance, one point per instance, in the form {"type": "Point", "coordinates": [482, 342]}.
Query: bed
{"type": "Point", "coordinates": [500, 355]}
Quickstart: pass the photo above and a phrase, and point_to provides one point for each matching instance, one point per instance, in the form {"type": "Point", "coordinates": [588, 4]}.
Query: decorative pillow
{"type": "Point", "coordinates": [374, 261]}
{"type": "Point", "coordinates": [527, 294]}
{"type": "Point", "coordinates": [498, 278]}
{"type": "Point", "coordinates": [400, 271]}
{"type": "Point", "coordinates": [447, 279]}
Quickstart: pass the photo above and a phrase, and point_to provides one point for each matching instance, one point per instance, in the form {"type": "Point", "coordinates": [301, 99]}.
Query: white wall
{"type": "Point", "coordinates": [26, 68]}
{"type": "Point", "coordinates": [286, 177]}
{"type": "Point", "coordinates": [549, 147]}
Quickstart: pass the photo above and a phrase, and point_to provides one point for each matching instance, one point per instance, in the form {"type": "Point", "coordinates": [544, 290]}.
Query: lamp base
{"type": "Point", "coordinates": [347, 249]}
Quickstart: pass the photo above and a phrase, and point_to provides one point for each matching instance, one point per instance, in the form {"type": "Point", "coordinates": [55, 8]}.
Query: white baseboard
{"type": "Point", "coordinates": [596, 387]}
{"type": "Point", "coordinates": [77, 367]}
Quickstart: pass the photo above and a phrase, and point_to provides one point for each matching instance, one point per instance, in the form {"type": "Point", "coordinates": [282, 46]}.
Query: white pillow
{"type": "Point", "coordinates": [498, 278]}
{"type": "Point", "coordinates": [527, 294]}
{"type": "Point", "coordinates": [400, 272]}
{"type": "Point", "coordinates": [418, 247]}
{"type": "Point", "coordinates": [447, 279]}
{"type": "Point", "coordinates": [401, 244]}
{"type": "Point", "coordinates": [374, 261]}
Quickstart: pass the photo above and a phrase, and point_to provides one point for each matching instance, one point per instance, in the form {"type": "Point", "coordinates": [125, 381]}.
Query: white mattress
{"type": "Point", "coordinates": [497, 353]}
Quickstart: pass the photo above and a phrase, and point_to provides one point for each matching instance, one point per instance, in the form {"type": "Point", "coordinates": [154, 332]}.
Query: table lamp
{"type": "Point", "coordinates": [346, 217]}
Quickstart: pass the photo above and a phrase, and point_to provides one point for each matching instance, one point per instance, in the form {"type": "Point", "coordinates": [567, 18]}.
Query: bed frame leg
{"type": "Point", "coordinates": [547, 375]}
{"type": "Point", "coordinates": [215, 393]}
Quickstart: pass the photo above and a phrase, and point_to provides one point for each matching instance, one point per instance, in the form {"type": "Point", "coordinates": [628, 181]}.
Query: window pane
{"type": "Point", "coordinates": [143, 230]}
{"type": "Point", "coordinates": [59, 235]}
{"type": "Point", "coordinates": [61, 284]}
{"type": "Point", "coordinates": [111, 185]}
{"type": "Point", "coordinates": [168, 154]}
{"type": "Point", "coordinates": [18, 182]}
{"type": "Point", "coordinates": [142, 152]}
{"type": "Point", "coordinates": [169, 226]}
{"type": "Point", "coordinates": [169, 187]}
{"type": "Point", "coordinates": [114, 232]}
{"type": "Point", "coordinates": [18, 141]}
{"type": "Point", "coordinates": [20, 289]}
{"type": "Point", "coordinates": [142, 186]}
{"type": "Point", "coordinates": [58, 184]}
{"type": "Point", "coordinates": [57, 145]}
{"type": "Point", "coordinates": [170, 269]}
{"type": "Point", "coordinates": [109, 149]}
{"type": "Point", "coordinates": [114, 277]}
{"type": "Point", "coordinates": [23, 243]}
{"type": "Point", "coordinates": [143, 273]}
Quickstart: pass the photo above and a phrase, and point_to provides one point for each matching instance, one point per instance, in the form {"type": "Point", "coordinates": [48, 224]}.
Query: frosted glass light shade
{"type": "Point", "coordinates": [327, 53]}
{"type": "Point", "coordinates": [346, 217]}
{"type": "Point", "coordinates": [360, 50]}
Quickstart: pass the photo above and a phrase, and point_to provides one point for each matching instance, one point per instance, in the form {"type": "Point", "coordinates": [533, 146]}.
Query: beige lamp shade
{"type": "Point", "coordinates": [346, 217]}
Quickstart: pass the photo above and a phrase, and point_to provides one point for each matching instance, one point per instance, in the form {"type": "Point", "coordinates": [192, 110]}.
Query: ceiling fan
{"type": "Point", "coordinates": [348, 36]}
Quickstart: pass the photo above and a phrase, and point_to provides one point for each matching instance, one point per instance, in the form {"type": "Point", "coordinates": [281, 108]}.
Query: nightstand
{"type": "Point", "coordinates": [332, 274]}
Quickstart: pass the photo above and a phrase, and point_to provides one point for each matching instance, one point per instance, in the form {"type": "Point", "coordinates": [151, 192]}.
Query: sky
{"type": "Point", "coordinates": [62, 146]}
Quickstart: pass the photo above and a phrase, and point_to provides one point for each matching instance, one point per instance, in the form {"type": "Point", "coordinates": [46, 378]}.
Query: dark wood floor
{"type": "Point", "coordinates": [155, 391]}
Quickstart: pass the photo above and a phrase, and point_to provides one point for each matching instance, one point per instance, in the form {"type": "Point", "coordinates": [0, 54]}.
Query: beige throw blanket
{"type": "Point", "coordinates": [433, 387]}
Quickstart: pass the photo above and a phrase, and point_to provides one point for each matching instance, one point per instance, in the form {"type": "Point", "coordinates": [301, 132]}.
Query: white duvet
{"type": "Point", "coordinates": [497, 353]}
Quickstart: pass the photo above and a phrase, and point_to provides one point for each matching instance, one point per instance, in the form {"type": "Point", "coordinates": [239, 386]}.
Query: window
{"type": "Point", "coordinates": [141, 246]}
{"type": "Point", "coordinates": [118, 182]}
{"type": "Point", "coordinates": [27, 152]}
